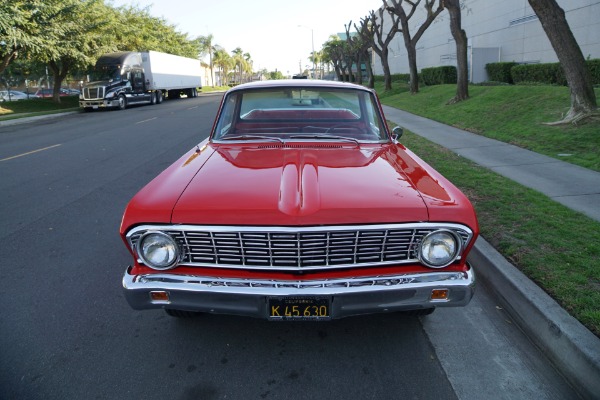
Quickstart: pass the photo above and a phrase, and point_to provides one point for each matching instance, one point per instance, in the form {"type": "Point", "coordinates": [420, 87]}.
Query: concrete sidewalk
{"type": "Point", "coordinates": [571, 347]}
{"type": "Point", "coordinates": [573, 186]}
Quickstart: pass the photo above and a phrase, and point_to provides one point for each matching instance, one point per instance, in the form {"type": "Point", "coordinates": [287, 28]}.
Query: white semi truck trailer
{"type": "Point", "coordinates": [126, 78]}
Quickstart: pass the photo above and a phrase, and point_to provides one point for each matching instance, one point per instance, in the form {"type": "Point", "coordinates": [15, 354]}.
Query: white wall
{"type": "Point", "coordinates": [510, 25]}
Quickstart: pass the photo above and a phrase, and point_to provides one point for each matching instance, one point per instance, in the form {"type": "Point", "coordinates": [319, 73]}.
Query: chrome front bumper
{"type": "Point", "coordinates": [354, 296]}
{"type": "Point", "coordinates": [98, 103]}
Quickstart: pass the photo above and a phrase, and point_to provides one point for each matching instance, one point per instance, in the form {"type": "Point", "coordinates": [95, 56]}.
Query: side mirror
{"type": "Point", "coordinates": [397, 133]}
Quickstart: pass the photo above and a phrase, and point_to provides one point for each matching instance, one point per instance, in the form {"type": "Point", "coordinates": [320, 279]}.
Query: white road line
{"type": "Point", "coordinates": [146, 120]}
{"type": "Point", "coordinates": [30, 152]}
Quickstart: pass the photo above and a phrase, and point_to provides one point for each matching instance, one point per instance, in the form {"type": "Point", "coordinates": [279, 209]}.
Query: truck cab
{"type": "Point", "coordinates": [118, 80]}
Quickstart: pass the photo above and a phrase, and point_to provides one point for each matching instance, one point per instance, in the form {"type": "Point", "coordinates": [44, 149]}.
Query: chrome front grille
{"type": "Point", "coordinates": [295, 249]}
{"type": "Point", "coordinates": [93, 93]}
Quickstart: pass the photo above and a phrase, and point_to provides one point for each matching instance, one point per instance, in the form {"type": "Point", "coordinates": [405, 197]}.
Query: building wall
{"type": "Point", "coordinates": [511, 26]}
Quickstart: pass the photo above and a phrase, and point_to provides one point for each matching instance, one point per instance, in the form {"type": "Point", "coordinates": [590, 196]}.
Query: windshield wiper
{"type": "Point", "coordinates": [319, 136]}
{"type": "Point", "coordinates": [252, 137]}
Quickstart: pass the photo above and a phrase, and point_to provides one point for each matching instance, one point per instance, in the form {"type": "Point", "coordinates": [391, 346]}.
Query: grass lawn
{"type": "Point", "coordinates": [208, 89]}
{"type": "Point", "coordinates": [511, 114]}
{"type": "Point", "coordinates": [30, 108]}
{"type": "Point", "coordinates": [557, 248]}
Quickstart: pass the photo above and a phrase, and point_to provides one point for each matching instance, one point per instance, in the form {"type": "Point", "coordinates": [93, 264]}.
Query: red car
{"type": "Point", "coordinates": [300, 205]}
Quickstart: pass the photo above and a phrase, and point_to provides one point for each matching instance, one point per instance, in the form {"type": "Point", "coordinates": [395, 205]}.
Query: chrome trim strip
{"type": "Point", "coordinates": [267, 228]}
{"type": "Point", "coordinates": [273, 287]}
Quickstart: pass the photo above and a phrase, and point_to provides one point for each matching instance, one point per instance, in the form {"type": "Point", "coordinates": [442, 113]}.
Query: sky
{"type": "Point", "coordinates": [278, 34]}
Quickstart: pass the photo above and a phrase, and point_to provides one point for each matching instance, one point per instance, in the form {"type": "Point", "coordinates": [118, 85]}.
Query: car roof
{"type": "Point", "coordinates": [299, 83]}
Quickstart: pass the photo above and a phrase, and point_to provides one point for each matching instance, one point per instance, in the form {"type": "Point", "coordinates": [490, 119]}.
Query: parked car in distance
{"type": "Point", "coordinates": [299, 210]}
{"type": "Point", "coordinates": [50, 92]}
{"type": "Point", "coordinates": [15, 95]}
{"type": "Point", "coordinates": [72, 92]}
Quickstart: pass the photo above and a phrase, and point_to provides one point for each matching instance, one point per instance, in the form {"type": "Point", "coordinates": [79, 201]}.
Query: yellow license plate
{"type": "Point", "coordinates": [299, 308]}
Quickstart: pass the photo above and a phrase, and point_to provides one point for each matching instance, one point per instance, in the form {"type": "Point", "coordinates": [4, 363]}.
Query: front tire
{"type": "Point", "coordinates": [122, 102]}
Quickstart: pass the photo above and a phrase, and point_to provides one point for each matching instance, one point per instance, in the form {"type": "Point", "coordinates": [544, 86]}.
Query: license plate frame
{"type": "Point", "coordinates": [299, 308]}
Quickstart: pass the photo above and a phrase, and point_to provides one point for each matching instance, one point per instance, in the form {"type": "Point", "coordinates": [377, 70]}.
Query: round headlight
{"type": "Point", "coordinates": [158, 250]}
{"type": "Point", "coordinates": [439, 249]}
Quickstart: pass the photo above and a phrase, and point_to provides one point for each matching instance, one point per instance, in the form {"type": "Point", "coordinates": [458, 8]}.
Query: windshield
{"type": "Point", "coordinates": [302, 113]}
{"type": "Point", "coordinates": [106, 73]}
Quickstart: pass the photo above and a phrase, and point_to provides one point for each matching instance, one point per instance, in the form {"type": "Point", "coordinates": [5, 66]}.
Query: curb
{"type": "Point", "coordinates": [24, 120]}
{"type": "Point", "coordinates": [570, 346]}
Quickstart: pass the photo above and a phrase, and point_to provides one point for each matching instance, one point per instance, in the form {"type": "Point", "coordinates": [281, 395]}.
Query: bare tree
{"type": "Point", "coordinates": [366, 38]}
{"type": "Point", "coordinates": [397, 8]}
{"type": "Point", "coordinates": [460, 39]}
{"type": "Point", "coordinates": [359, 47]}
{"type": "Point", "coordinates": [379, 41]}
{"type": "Point", "coordinates": [351, 55]}
{"type": "Point", "coordinates": [554, 22]}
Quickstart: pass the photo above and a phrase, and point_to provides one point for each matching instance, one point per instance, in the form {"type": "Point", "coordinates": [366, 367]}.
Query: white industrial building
{"type": "Point", "coordinates": [505, 30]}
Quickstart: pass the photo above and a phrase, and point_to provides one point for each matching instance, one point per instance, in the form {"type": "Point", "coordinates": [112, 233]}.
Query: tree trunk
{"type": "Point", "coordinates": [387, 76]}
{"type": "Point", "coordinates": [343, 72]}
{"type": "Point", "coordinates": [57, 81]}
{"type": "Point", "coordinates": [552, 18]}
{"type": "Point", "coordinates": [359, 61]}
{"type": "Point", "coordinates": [338, 73]}
{"type": "Point", "coordinates": [460, 38]}
{"type": "Point", "coordinates": [412, 66]}
{"type": "Point", "coordinates": [370, 75]}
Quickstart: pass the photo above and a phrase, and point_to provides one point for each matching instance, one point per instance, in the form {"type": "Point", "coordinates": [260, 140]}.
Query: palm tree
{"type": "Point", "coordinates": [241, 63]}
{"type": "Point", "coordinates": [248, 65]}
{"type": "Point", "coordinates": [223, 60]}
{"type": "Point", "coordinates": [206, 47]}
{"type": "Point", "coordinates": [316, 57]}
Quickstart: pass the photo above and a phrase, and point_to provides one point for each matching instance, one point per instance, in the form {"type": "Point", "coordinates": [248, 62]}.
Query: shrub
{"type": "Point", "coordinates": [548, 73]}
{"type": "Point", "coordinates": [438, 75]}
{"type": "Point", "coordinates": [395, 78]}
{"type": "Point", "coordinates": [594, 68]}
{"type": "Point", "coordinates": [500, 71]}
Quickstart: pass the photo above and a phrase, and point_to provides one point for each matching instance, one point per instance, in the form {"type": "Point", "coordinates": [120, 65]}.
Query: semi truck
{"type": "Point", "coordinates": [126, 78]}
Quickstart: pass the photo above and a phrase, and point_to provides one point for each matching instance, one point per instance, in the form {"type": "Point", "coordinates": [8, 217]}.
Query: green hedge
{"type": "Point", "coordinates": [548, 73]}
{"type": "Point", "coordinates": [594, 67]}
{"type": "Point", "coordinates": [438, 75]}
{"type": "Point", "coordinates": [395, 78]}
{"type": "Point", "coordinates": [500, 71]}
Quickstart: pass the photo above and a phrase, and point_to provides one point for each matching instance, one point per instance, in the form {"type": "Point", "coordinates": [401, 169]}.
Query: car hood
{"type": "Point", "coordinates": [286, 185]}
{"type": "Point", "coordinates": [304, 185]}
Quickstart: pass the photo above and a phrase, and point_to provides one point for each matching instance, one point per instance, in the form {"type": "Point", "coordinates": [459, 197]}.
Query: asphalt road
{"type": "Point", "coordinates": [66, 331]}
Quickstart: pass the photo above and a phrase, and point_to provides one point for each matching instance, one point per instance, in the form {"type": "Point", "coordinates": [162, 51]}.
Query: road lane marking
{"type": "Point", "coordinates": [146, 120]}
{"type": "Point", "coordinates": [30, 152]}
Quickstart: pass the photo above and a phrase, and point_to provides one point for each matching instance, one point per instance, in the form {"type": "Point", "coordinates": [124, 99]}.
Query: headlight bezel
{"type": "Point", "coordinates": [145, 258]}
{"type": "Point", "coordinates": [453, 256]}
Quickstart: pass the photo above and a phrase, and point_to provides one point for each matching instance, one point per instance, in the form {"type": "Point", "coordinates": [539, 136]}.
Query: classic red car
{"type": "Point", "coordinates": [300, 205]}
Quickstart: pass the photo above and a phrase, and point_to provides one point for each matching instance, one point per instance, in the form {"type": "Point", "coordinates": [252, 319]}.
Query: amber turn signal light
{"type": "Point", "coordinates": [439, 294]}
{"type": "Point", "coordinates": [159, 296]}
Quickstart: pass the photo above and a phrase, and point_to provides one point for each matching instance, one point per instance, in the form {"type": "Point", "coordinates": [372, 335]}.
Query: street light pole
{"type": "Point", "coordinates": [312, 41]}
